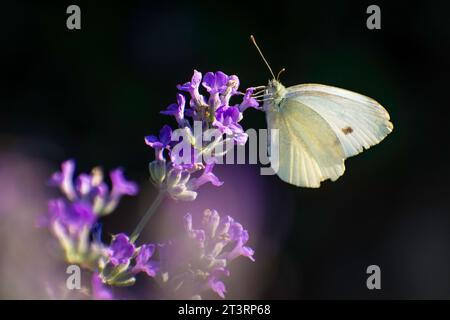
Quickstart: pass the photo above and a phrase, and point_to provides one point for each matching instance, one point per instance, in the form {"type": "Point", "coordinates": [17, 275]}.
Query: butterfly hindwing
{"type": "Point", "coordinates": [309, 150]}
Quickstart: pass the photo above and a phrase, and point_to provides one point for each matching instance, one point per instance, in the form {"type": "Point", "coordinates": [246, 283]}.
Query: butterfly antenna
{"type": "Point", "coordinates": [262, 56]}
{"type": "Point", "coordinates": [279, 73]}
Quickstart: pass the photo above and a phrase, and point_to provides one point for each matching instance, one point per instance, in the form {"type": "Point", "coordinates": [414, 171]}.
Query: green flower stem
{"type": "Point", "coordinates": [151, 210]}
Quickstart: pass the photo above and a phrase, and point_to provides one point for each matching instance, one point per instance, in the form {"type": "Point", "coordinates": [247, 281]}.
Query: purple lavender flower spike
{"type": "Point", "coordinates": [143, 262]}
{"type": "Point", "coordinates": [121, 250]}
{"type": "Point", "coordinates": [72, 218]}
{"type": "Point", "coordinates": [99, 290]}
{"type": "Point", "coordinates": [210, 111]}
{"type": "Point", "coordinates": [248, 101]}
{"type": "Point", "coordinates": [165, 137]}
{"type": "Point", "coordinates": [64, 179]}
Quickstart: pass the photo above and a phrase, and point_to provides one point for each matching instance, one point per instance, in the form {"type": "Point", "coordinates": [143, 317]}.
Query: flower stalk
{"type": "Point", "coordinates": [148, 214]}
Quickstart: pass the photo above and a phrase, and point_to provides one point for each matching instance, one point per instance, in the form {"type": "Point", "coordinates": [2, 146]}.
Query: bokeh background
{"type": "Point", "coordinates": [93, 94]}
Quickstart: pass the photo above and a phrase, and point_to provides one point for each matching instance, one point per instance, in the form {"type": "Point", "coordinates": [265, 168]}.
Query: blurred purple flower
{"type": "Point", "coordinates": [73, 219]}
{"type": "Point", "coordinates": [64, 179]}
{"type": "Point", "coordinates": [199, 261]}
{"type": "Point", "coordinates": [121, 250]}
{"type": "Point", "coordinates": [91, 190]}
{"type": "Point", "coordinates": [143, 262]}
{"type": "Point", "coordinates": [121, 186]}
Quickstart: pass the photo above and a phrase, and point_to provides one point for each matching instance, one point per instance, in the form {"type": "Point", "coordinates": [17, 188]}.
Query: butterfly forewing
{"type": "Point", "coordinates": [358, 121]}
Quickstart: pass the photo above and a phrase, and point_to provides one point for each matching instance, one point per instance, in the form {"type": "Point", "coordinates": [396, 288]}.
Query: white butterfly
{"type": "Point", "coordinates": [319, 127]}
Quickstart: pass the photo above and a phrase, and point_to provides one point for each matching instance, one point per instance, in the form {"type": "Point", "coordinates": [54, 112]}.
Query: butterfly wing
{"type": "Point", "coordinates": [319, 127]}
{"type": "Point", "coordinates": [358, 121]}
{"type": "Point", "coordinates": [309, 150]}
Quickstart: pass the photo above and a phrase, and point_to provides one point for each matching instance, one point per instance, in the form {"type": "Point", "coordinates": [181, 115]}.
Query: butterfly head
{"type": "Point", "coordinates": [275, 92]}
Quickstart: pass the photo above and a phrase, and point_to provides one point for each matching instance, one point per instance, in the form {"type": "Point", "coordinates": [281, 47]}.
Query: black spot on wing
{"type": "Point", "coordinates": [347, 130]}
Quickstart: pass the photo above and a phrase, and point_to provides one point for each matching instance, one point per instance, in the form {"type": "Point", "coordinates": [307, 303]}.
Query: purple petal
{"type": "Point", "coordinates": [171, 110]}
{"type": "Point", "coordinates": [209, 81]}
{"type": "Point", "coordinates": [143, 263]}
{"type": "Point", "coordinates": [218, 287]}
{"type": "Point", "coordinates": [215, 284]}
{"type": "Point", "coordinates": [64, 179]}
{"type": "Point", "coordinates": [56, 208]}
{"type": "Point", "coordinates": [221, 80]}
{"type": "Point", "coordinates": [199, 236]}
{"type": "Point", "coordinates": [121, 250]}
{"type": "Point", "coordinates": [215, 82]}
{"type": "Point", "coordinates": [193, 84]}
{"type": "Point", "coordinates": [235, 231]}
{"type": "Point", "coordinates": [211, 221]}
{"type": "Point", "coordinates": [73, 217]}
{"type": "Point", "coordinates": [205, 177]}
{"type": "Point", "coordinates": [248, 252]}
{"type": "Point", "coordinates": [153, 142]}
{"type": "Point", "coordinates": [238, 234]}
{"type": "Point", "coordinates": [84, 184]}
{"type": "Point", "coordinates": [101, 190]}
{"type": "Point", "coordinates": [121, 186]}
{"type": "Point", "coordinates": [188, 222]}
{"type": "Point", "coordinates": [235, 81]}
{"type": "Point", "coordinates": [82, 214]}
{"type": "Point", "coordinates": [181, 100]}
{"type": "Point", "coordinates": [165, 135]}
{"type": "Point", "coordinates": [196, 79]}
{"type": "Point", "coordinates": [234, 114]}
{"type": "Point", "coordinates": [248, 101]}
